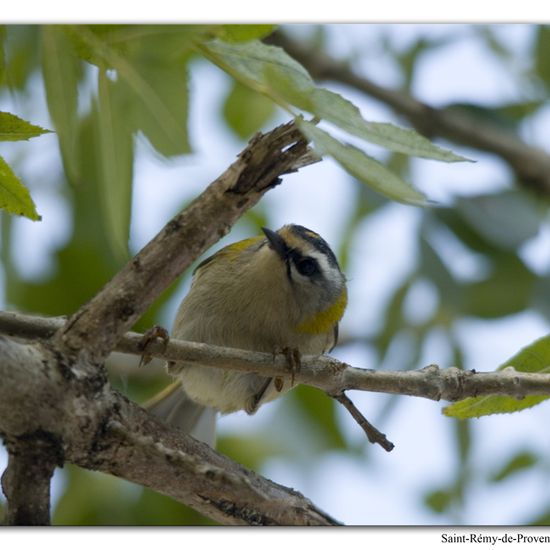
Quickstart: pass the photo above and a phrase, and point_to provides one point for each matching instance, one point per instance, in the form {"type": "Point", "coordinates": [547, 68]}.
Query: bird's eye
{"type": "Point", "coordinates": [307, 267]}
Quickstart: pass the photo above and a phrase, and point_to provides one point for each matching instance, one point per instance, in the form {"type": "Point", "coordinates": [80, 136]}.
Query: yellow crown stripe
{"type": "Point", "coordinates": [233, 250]}
{"type": "Point", "coordinates": [326, 319]}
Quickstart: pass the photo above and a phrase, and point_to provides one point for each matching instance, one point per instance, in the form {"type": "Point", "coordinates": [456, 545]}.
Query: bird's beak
{"type": "Point", "coordinates": [277, 243]}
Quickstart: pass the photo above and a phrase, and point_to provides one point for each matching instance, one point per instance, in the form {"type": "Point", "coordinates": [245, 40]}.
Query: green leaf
{"type": "Point", "coordinates": [506, 219]}
{"type": "Point", "coordinates": [2, 53]}
{"type": "Point", "coordinates": [13, 128]}
{"type": "Point", "coordinates": [101, 44]}
{"type": "Point", "coordinates": [155, 86]}
{"type": "Point", "coordinates": [244, 33]}
{"type": "Point", "coordinates": [533, 358]}
{"type": "Point", "coordinates": [158, 104]}
{"type": "Point", "coordinates": [507, 116]}
{"type": "Point", "coordinates": [491, 298]}
{"type": "Point", "coordinates": [541, 291]}
{"type": "Point", "coordinates": [363, 167]}
{"type": "Point", "coordinates": [436, 271]}
{"type": "Point", "coordinates": [14, 196]}
{"type": "Point", "coordinates": [93, 498]}
{"type": "Point", "coordinates": [519, 462]}
{"type": "Point", "coordinates": [319, 411]}
{"type": "Point", "coordinates": [61, 70]}
{"type": "Point", "coordinates": [392, 317]}
{"type": "Point", "coordinates": [246, 111]}
{"type": "Point", "coordinates": [517, 112]}
{"type": "Point", "coordinates": [334, 108]}
{"type": "Point", "coordinates": [249, 61]}
{"type": "Point", "coordinates": [268, 69]}
{"type": "Point", "coordinates": [251, 451]}
{"type": "Point", "coordinates": [116, 154]}
{"type": "Point", "coordinates": [542, 53]}
{"type": "Point", "coordinates": [21, 55]}
{"type": "Point", "coordinates": [439, 501]}
{"type": "Point", "coordinates": [90, 42]}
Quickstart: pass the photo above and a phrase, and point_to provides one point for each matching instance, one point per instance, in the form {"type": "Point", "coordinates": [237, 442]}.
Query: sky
{"type": "Point", "coordinates": [378, 488]}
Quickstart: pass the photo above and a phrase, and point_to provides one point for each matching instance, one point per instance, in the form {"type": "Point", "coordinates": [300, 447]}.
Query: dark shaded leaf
{"type": "Point", "coordinates": [506, 219]}
{"type": "Point", "coordinates": [541, 54]}
{"type": "Point", "coordinates": [61, 71]}
{"type": "Point", "coordinates": [523, 460]}
{"type": "Point", "coordinates": [2, 54]}
{"type": "Point", "coordinates": [93, 498]}
{"type": "Point", "coordinates": [439, 501]}
{"type": "Point", "coordinates": [244, 33]}
{"type": "Point", "coordinates": [115, 153]}
{"type": "Point", "coordinates": [506, 291]}
{"type": "Point", "coordinates": [247, 111]}
{"type": "Point", "coordinates": [320, 412]}
{"type": "Point", "coordinates": [21, 54]}
{"type": "Point", "coordinates": [250, 451]}
{"type": "Point", "coordinates": [158, 103]}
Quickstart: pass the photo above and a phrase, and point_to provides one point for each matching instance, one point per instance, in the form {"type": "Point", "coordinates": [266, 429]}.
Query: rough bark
{"type": "Point", "coordinates": [50, 414]}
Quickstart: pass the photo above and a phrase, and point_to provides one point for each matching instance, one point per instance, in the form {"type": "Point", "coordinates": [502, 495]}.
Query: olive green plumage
{"type": "Point", "coordinates": [267, 293]}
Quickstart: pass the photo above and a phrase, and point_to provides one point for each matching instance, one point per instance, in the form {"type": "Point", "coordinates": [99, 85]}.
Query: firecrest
{"type": "Point", "coordinates": [280, 290]}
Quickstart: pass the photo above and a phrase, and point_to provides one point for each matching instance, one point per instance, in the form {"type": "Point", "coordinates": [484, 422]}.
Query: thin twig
{"type": "Point", "coordinates": [323, 372]}
{"type": "Point", "coordinates": [373, 434]}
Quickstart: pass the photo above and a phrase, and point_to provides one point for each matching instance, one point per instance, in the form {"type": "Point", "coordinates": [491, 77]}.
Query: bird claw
{"type": "Point", "coordinates": [148, 338]}
{"type": "Point", "coordinates": [294, 363]}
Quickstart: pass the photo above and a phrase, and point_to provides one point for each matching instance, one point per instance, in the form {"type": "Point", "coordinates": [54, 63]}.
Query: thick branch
{"type": "Point", "coordinates": [26, 480]}
{"type": "Point", "coordinates": [97, 326]}
{"type": "Point", "coordinates": [530, 164]}
{"type": "Point", "coordinates": [323, 372]}
{"type": "Point", "coordinates": [98, 428]}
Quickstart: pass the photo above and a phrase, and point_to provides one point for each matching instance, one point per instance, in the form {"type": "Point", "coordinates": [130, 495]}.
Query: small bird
{"type": "Point", "coordinates": [282, 290]}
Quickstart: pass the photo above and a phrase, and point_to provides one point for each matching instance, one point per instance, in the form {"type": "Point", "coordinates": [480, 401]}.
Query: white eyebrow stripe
{"type": "Point", "coordinates": [328, 270]}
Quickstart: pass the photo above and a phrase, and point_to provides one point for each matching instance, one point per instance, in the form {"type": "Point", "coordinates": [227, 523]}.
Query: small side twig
{"type": "Point", "coordinates": [373, 434]}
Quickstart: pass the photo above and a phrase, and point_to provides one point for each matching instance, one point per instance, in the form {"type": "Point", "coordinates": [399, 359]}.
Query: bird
{"type": "Point", "coordinates": [281, 290]}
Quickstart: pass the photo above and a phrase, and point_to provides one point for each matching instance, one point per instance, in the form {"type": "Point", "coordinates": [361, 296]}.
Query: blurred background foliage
{"type": "Point", "coordinates": [470, 253]}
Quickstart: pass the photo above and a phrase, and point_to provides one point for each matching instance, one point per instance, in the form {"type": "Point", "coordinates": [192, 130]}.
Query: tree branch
{"type": "Point", "coordinates": [530, 164]}
{"type": "Point", "coordinates": [100, 429]}
{"type": "Point", "coordinates": [323, 372]}
{"type": "Point", "coordinates": [26, 480]}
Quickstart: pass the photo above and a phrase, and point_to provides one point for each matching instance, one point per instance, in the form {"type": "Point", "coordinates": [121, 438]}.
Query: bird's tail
{"type": "Point", "coordinates": [176, 409]}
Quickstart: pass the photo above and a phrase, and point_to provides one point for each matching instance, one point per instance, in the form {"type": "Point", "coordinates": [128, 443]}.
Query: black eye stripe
{"type": "Point", "coordinates": [307, 267]}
